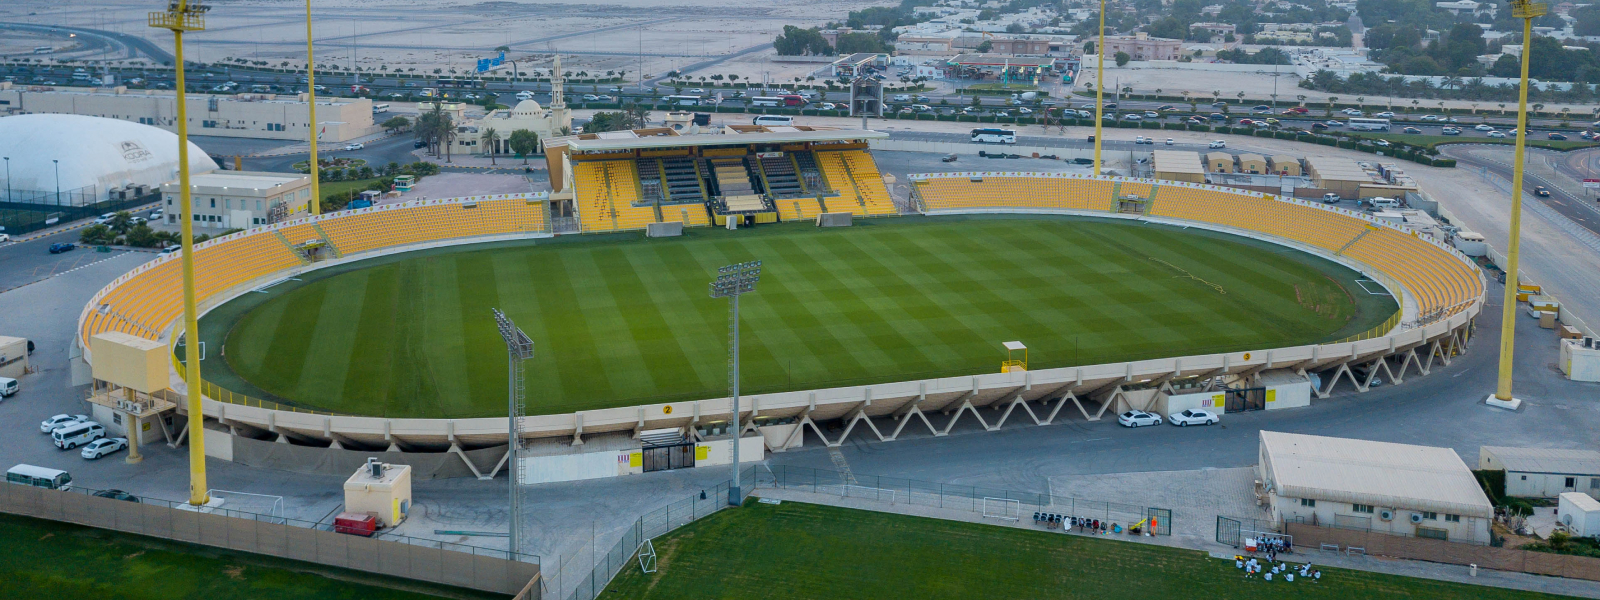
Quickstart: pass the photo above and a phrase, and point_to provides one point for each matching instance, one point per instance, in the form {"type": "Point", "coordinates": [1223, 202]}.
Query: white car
{"type": "Point", "coordinates": [1138, 418]}
{"type": "Point", "coordinates": [1483, 127]}
{"type": "Point", "coordinates": [1150, 114]}
{"type": "Point", "coordinates": [356, 146]}
{"type": "Point", "coordinates": [1430, 117]}
{"type": "Point", "coordinates": [1194, 416]}
{"type": "Point", "coordinates": [103, 446]}
{"type": "Point", "coordinates": [701, 91]}
{"type": "Point", "coordinates": [1382, 143]}
{"type": "Point", "coordinates": [524, 95]}
{"type": "Point", "coordinates": [173, 249]}
{"type": "Point", "coordinates": [1384, 115]}
{"type": "Point", "coordinates": [4, 237]}
{"type": "Point", "coordinates": [1333, 123]}
{"type": "Point", "coordinates": [105, 218]}
{"type": "Point", "coordinates": [590, 97]}
{"type": "Point", "coordinates": [1218, 144]}
{"type": "Point", "coordinates": [1024, 111]}
{"type": "Point", "coordinates": [1132, 117]}
{"type": "Point", "coordinates": [59, 421]}
{"type": "Point", "coordinates": [1169, 141]}
{"type": "Point", "coordinates": [1497, 134]}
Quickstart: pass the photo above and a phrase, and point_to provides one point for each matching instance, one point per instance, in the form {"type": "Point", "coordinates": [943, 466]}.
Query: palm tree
{"type": "Point", "coordinates": [1301, 98]}
{"type": "Point", "coordinates": [488, 138]}
{"type": "Point", "coordinates": [1331, 101]}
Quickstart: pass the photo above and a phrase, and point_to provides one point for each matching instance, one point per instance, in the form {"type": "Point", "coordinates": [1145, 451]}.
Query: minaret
{"type": "Point", "coordinates": [557, 101]}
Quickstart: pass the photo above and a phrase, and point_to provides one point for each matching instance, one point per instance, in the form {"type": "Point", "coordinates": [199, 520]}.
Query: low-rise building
{"type": "Point", "coordinates": [1253, 164]}
{"type": "Point", "coordinates": [1543, 472]}
{"type": "Point", "coordinates": [545, 122]}
{"type": "Point", "coordinates": [1398, 489]}
{"type": "Point", "coordinates": [237, 199]}
{"type": "Point", "coordinates": [1178, 165]}
{"type": "Point", "coordinates": [1219, 162]}
{"type": "Point", "coordinates": [1141, 46]}
{"type": "Point", "coordinates": [1283, 164]}
{"type": "Point", "coordinates": [264, 116]}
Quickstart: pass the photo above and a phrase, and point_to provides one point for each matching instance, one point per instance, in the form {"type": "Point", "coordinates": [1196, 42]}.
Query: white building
{"type": "Point", "coordinates": [1543, 472]}
{"type": "Point", "coordinates": [1384, 487]}
{"type": "Point", "coordinates": [264, 116]}
{"type": "Point", "coordinates": [86, 158]}
{"type": "Point", "coordinates": [237, 199]}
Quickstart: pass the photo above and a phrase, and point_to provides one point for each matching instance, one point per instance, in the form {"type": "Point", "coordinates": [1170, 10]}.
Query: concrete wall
{"type": "Point", "coordinates": [1548, 485]}
{"type": "Point", "coordinates": [1488, 557]}
{"type": "Point", "coordinates": [1290, 510]}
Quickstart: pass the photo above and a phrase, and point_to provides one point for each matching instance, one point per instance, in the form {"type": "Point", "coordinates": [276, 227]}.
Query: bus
{"type": "Point", "coordinates": [43, 49]}
{"type": "Point", "coordinates": [1361, 124]}
{"type": "Point", "coordinates": [994, 136]}
{"type": "Point", "coordinates": [684, 100]}
{"type": "Point", "coordinates": [773, 101]}
{"type": "Point", "coordinates": [450, 82]}
{"type": "Point", "coordinates": [380, 108]}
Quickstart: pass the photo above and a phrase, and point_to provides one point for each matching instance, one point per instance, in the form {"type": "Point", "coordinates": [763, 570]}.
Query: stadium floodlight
{"type": "Point", "coordinates": [311, 107]}
{"type": "Point", "coordinates": [180, 16]}
{"type": "Point", "coordinates": [519, 347]}
{"type": "Point", "coordinates": [1527, 11]}
{"type": "Point", "coordinates": [733, 281]}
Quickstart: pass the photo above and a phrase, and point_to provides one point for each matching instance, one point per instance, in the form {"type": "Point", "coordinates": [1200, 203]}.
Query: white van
{"type": "Point", "coordinates": [8, 386]}
{"type": "Point", "coordinates": [72, 436]}
{"type": "Point", "coordinates": [1385, 203]}
{"type": "Point", "coordinates": [774, 120]}
{"type": "Point", "coordinates": [39, 477]}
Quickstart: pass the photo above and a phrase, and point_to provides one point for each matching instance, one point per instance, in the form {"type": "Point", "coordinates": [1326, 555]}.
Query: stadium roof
{"type": "Point", "coordinates": [1374, 473]}
{"type": "Point", "coordinates": [788, 135]}
{"type": "Point", "coordinates": [92, 151]}
{"type": "Point", "coordinates": [1544, 460]}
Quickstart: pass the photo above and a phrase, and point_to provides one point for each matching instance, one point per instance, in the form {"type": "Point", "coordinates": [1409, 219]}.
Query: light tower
{"type": "Point", "coordinates": [179, 17]}
{"type": "Point", "coordinates": [311, 105]}
{"type": "Point", "coordinates": [1099, 87]}
{"type": "Point", "coordinates": [733, 281]}
{"type": "Point", "coordinates": [1527, 11]}
{"type": "Point", "coordinates": [519, 347]}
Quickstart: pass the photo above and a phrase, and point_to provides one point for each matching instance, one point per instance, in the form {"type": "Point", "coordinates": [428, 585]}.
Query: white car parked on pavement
{"type": "Point", "coordinates": [59, 421]}
{"type": "Point", "coordinates": [1194, 416]}
{"type": "Point", "coordinates": [103, 446]}
{"type": "Point", "coordinates": [1138, 418]}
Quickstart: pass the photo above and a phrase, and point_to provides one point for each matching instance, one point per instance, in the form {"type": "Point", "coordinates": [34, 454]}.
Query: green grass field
{"type": "Point", "coordinates": [797, 550]}
{"type": "Point", "coordinates": [49, 559]}
{"type": "Point", "coordinates": [620, 321]}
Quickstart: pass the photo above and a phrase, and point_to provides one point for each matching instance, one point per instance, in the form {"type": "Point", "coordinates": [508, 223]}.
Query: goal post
{"type": "Point", "coordinates": [1004, 509]}
{"type": "Point", "coordinates": [647, 557]}
{"type": "Point", "coordinates": [862, 491]}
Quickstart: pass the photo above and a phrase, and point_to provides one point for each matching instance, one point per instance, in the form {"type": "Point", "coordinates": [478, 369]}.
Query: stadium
{"type": "Point", "coordinates": [371, 328]}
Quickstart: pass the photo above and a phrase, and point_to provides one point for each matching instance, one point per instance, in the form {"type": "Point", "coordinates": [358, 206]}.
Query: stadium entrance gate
{"type": "Point", "coordinates": [1246, 399]}
{"type": "Point", "coordinates": [666, 450]}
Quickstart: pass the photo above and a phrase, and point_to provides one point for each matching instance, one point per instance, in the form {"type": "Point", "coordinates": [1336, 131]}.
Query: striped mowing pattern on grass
{"type": "Point", "coordinates": [621, 323]}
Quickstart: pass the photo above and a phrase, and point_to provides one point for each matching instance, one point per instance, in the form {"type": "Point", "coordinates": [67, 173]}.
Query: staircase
{"type": "Point", "coordinates": [292, 249]}
{"type": "Point", "coordinates": [328, 241]}
{"type": "Point", "coordinates": [1352, 242]}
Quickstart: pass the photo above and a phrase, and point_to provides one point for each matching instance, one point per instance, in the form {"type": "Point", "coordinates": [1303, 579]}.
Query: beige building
{"type": "Point", "coordinates": [1177, 165]}
{"type": "Point", "coordinates": [1219, 162]}
{"type": "Point", "coordinates": [546, 122]}
{"type": "Point", "coordinates": [381, 490]}
{"type": "Point", "coordinates": [265, 116]}
{"type": "Point", "coordinates": [1283, 164]}
{"type": "Point", "coordinates": [1339, 175]}
{"type": "Point", "coordinates": [238, 199]}
{"type": "Point", "coordinates": [13, 356]}
{"type": "Point", "coordinates": [1383, 487]}
{"type": "Point", "coordinates": [1253, 164]}
{"type": "Point", "coordinates": [1143, 47]}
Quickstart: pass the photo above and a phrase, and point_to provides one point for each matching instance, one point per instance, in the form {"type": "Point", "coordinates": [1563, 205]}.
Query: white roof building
{"type": "Point", "coordinates": [49, 152]}
{"type": "Point", "coordinates": [1391, 488]}
{"type": "Point", "coordinates": [1543, 472]}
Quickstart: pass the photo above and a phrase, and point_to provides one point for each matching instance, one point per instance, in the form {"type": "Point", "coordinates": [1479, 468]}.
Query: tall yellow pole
{"type": "Point", "coordinates": [311, 91]}
{"type": "Point", "coordinates": [1099, 88]}
{"type": "Point", "coordinates": [180, 17]}
{"type": "Point", "coordinates": [1527, 11]}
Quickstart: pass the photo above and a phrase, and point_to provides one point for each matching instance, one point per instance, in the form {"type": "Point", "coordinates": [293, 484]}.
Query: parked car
{"type": "Point", "coordinates": [1218, 144]}
{"type": "Point", "coordinates": [355, 146]}
{"type": "Point", "coordinates": [60, 421]}
{"type": "Point", "coordinates": [8, 386]}
{"type": "Point", "coordinates": [1138, 418]}
{"type": "Point", "coordinates": [102, 447]}
{"type": "Point", "coordinates": [1381, 143]}
{"type": "Point", "coordinates": [1194, 416]}
{"type": "Point", "coordinates": [419, 144]}
{"type": "Point", "coordinates": [1540, 190]}
{"type": "Point", "coordinates": [58, 248]}
{"type": "Point", "coordinates": [117, 495]}
{"type": "Point", "coordinates": [5, 237]}
{"type": "Point", "coordinates": [1330, 198]}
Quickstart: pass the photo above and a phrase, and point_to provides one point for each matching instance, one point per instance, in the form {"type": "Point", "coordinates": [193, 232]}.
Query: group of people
{"type": "Point", "coordinates": [1253, 568]}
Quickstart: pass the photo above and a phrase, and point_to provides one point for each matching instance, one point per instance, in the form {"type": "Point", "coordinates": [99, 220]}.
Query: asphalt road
{"type": "Point", "coordinates": [26, 262]}
{"type": "Point", "coordinates": [1564, 195]}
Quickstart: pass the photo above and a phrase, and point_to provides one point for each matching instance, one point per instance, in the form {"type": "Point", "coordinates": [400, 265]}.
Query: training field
{"type": "Point", "coordinates": [50, 559]}
{"type": "Point", "coordinates": [621, 321]}
{"type": "Point", "coordinates": [796, 550]}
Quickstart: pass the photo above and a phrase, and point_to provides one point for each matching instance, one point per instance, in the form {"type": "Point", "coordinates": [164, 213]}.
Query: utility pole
{"type": "Point", "coordinates": [733, 281]}
{"type": "Point", "coordinates": [519, 348]}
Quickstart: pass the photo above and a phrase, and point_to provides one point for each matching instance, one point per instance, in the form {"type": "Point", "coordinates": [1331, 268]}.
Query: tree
{"type": "Point", "coordinates": [1122, 58]}
{"type": "Point", "coordinates": [396, 123]}
{"type": "Point", "coordinates": [985, 46]}
{"type": "Point", "coordinates": [851, 43]}
{"type": "Point", "coordinates": [488, 138]}
{"type": "Point", "coordinates": [795, 41]}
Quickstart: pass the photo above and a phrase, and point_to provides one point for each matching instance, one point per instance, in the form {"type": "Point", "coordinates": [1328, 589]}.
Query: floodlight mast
{"type": "Point", "coordinates": [519, 347]}
{"type": "Point", "coordinates": [733, 281]}
{"type": "Point", "coordinates": [181, 16]}
{"type": "Point", "coordinates": [1526, 10]}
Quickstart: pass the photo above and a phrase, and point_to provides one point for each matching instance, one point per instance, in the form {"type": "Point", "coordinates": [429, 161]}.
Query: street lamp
{"type": "Point", "coordinates": [8, 179]}
{"type": "Point", "coordinates": [58, 180]}
{"type": "Point", "coordinates": [733, 281]}
{"type": "Point", "coordinates": [1527, 11]}
{"type": "Point", "coordinates": [519, 347]}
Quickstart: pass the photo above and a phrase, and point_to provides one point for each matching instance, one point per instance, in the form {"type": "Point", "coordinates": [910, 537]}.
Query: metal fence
{"type": "Point", "coordinates": [485, 569]}
{"type": "Point", "coordinates": [20, 217]}
{"type": "Point", "coordinates": [655, 523]}
{"type": "Point", "coordinates": [1232, 531]}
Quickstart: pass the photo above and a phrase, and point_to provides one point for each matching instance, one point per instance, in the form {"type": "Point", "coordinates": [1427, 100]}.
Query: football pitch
{"type": "Point", "coordinates": [797, 550]}
{"type": "Point", "coordinates": [621, 320]}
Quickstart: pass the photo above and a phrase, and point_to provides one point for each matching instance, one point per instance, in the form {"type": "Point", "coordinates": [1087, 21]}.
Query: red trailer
{"type": "Point", "coordinates": [354, 524]}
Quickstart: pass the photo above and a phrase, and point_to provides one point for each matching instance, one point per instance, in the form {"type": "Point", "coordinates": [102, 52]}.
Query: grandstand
{"type": "Point", "coordinates": [625, 180]}
{"type": "Point", "coordinates": [1438, 280]}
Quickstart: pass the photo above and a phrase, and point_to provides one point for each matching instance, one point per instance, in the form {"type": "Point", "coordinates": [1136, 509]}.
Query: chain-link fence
{"type": "Point", "coordinates": [33, 213]}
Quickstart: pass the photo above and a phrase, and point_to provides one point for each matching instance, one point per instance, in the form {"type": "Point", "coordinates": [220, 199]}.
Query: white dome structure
{"type": "Point", "coordinates": [92, 151]}
{"type": "Point", "coordinates": [528, 108]}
